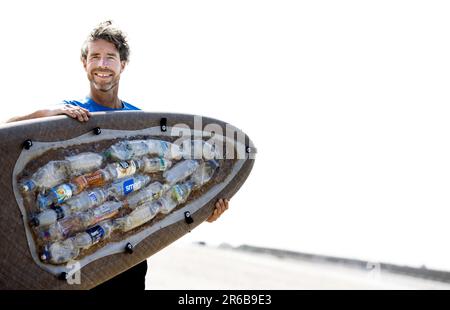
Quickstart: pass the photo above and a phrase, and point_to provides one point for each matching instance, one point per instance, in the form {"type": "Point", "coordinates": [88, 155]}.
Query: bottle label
{"type": "Point", "coordinates": [63, 192]}
{"type": "Point", "coordinates": [125, 169]}
{"type": "Point", "coordinates": [93, 198]}
{"type": "Point", "coordinates": [94, 178]}
{"type": "Point", "coordinates": [96, 233]}
{"type": "Point", "coordinates": [164, 147]}
{"type": "Point", "coordinates": [105, 211]}
{"type": "Point", "coordinates": [179, 193]}
{"type": "Point", "coordinates": [128, 186]}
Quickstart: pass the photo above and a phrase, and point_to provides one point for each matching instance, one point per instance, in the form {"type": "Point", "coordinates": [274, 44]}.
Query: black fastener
{"type": "Point", "coordinates": [129, 248]}
{"type": "Point", "coordinates": [27, 144]}
{"type": "Point", "coordinates": [163, 124]}
{"type": "Point", "coordinates": [97, 131]}
{"type": "Point", "coordinates": [188, 218]}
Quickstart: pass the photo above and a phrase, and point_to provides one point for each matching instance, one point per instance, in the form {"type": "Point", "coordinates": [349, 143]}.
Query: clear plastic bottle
{"type": "Point", "coordinates": [61, 252]}
{"type": "Point", "coordinates": [80, 221]}
{"type": "Point", "coordinates": [139, 216]}
{"type": "Point", "coordinates": [123, 187]}
{"type": "Point", "coordinates": [198, 149]}
{"type": "Point", "coordinates": [87, 200]}
{"type": "Point", "coordinates": [175, 196]}
{"type": "Point", "coordinates": [56, 195]}
{"type": "Point", "coordinates": [126, 150]}
{"type": "Point", "coordinates": [156, 164]}
{"type": "Point", "coordinates": [180, 192]}
{"type": "Point", "coordinates": [164, 149]}
{"type": "Point", "coordinates": [181, 171]}
{"type": "Point", "coordinates": [110, 172]}
{"type": "Point", "coordinates": [50, 216]}
{"type": "Point", "coordinates": [204, 173]}
{"type": "Point", "coordinates": [56, 172]}
{"type": "Point", "coordinates": [147, 194]}
{"type": "Point", "coordinates": [84, 162]}
{"type": "Point", "coordinates": [48, 176]}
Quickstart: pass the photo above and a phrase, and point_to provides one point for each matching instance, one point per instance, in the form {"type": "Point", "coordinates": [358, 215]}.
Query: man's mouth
{"type": "Point", "coordinates": [103, 75]}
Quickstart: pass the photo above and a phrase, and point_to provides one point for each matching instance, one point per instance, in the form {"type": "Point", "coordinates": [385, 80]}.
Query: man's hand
{"type": "Point", "coordinates": [79, 113]}
{"type": "Point", "coordinates": [221, 207]}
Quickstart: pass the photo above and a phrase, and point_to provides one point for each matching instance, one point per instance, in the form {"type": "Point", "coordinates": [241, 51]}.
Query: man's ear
{"type": "Point", "coordinates": [123, 64]}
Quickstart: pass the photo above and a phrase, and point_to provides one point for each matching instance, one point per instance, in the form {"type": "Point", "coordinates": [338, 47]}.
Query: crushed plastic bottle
{"type": "Point", "coordinates": [80, 221]}
{"type": "Point", "coordinates": [204, 173]}
{"type": "Point", "coordinates": [78, 203]}
{"type": "Point", "coordinates": [155, 164]}
{"type": "Point", "coordinates": [56, 195]}
{"type": "Point", "coordinates": [147, 194]}
{"type": "Point", "coordinates": [110, 172]}
{"type": "Point", "coordinates": [198, 149]}
{"type": "Point", "coordinates": [48, 176]}
{"type": "Point", "coordinates": [61, 252]}
{"type": "Point", "coordinates": [87, 200]}
{"type": "Point", "coordinates": [56, 172]}
{"type": "Point", "coordinates": [126, 150]}
{"type": "Point", "coordinates": [139, 216]}
{"type": "Point", "coordinates": [181, 171]}
{"type": "Point", "coordinates": [175, 196]}
{"type": "Point", "coordinates": [123, 187]}
{"type": "Point", "coordinates": [84, 162]}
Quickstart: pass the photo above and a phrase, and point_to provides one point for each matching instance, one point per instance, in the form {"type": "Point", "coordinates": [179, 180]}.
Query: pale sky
{"type": "Point", "coordinates": [346, 101]}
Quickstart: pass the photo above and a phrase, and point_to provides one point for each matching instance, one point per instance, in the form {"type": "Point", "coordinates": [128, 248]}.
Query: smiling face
{"type": "Point", "coordinates": [103, 65]}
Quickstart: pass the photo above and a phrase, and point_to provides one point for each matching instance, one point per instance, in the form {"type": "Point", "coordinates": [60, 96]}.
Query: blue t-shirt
{"type": "Point", "coordinates": [93, 106]}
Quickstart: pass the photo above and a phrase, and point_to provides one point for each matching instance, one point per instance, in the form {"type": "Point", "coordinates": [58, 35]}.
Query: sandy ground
{"type": "Point", "coordinates": [192, 267]}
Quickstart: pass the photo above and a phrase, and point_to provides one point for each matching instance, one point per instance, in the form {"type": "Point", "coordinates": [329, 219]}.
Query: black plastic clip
{"type": "Point", "coordinates": [97, 131]}
{"type": "Point", "coordinates": [163, 124]}
{"type": "Point", "coordinates": [249, 149]}
{"type": "Point", "coordinates": [63, 276]}
{"type": "Point", "coordinates": [27, 144]}
{"type": "Point", "coordinates": [188, 218]}
{"type": "Point", "coordinates": [129, 248]}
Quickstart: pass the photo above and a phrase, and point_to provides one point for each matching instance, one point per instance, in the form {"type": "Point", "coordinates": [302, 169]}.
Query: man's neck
{"type": "Point", "coordinates": [108, 99]}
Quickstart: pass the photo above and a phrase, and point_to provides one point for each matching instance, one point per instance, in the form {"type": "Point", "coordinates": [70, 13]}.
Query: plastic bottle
{"type": "Point", "coordinates": [204, 173]}
{"type": "Point", "coordinates": [87, 200]}
{"type": "Point", "coordinates": [147, 194]}
{"type": "Point", "coordinates": [156, 164]}
{"type": "Point", "coordinates": [126, 150]}
{"type": "Point", "coordinates": [63, 251]}
{"type": "Point", "coordinates": [78, 203]}
{"type": "Point", "coordinates": [175, 196]}
{"type": "Point", "coordinates": [56, 172]}
{"type": "Point", "coordinates": [56, 195]}
{"type": "Point", "coordinates": [80, 221]}
{"type": "Point", "coordinates": [181, 171]}
{"type": "Point", "coordinates": [48, 176]}
{"type": "Point", "coordinates": [84, 162]}
{"type": "Point", "coordinates": [110, 172]}
{"type": "Point", "coordinates": [198, 149]}
{"type": "Point", "coordinates": [125, 186]}
{"type": "Point", "coordinates": [139, 216]}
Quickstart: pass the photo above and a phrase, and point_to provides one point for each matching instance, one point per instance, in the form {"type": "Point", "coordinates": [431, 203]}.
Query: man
{"type": "Point", "coordinates": [104, 56]}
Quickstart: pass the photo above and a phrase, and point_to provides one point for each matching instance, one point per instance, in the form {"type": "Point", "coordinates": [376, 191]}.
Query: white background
{"type": "Point", "coordinates": [347, 102]}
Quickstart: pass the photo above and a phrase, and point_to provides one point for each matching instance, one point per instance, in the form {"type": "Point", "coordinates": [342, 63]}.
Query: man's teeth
{"type": "Point", "coordinates": [103, 75]}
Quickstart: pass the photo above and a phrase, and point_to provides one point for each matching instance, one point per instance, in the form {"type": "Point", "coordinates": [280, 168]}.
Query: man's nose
{"type": "Point", "coordinates": [103, 62]}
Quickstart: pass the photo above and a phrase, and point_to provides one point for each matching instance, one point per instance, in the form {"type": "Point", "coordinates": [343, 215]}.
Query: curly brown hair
{"type": "Point", "coordinates": [106, 31]}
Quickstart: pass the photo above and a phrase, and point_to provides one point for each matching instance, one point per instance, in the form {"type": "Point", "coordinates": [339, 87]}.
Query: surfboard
{"type": "Point", "coordinates": [84, 202]}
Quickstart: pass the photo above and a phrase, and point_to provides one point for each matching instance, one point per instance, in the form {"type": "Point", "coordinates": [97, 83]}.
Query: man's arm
{"type": "Point", "coordinates": [76, 112]}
